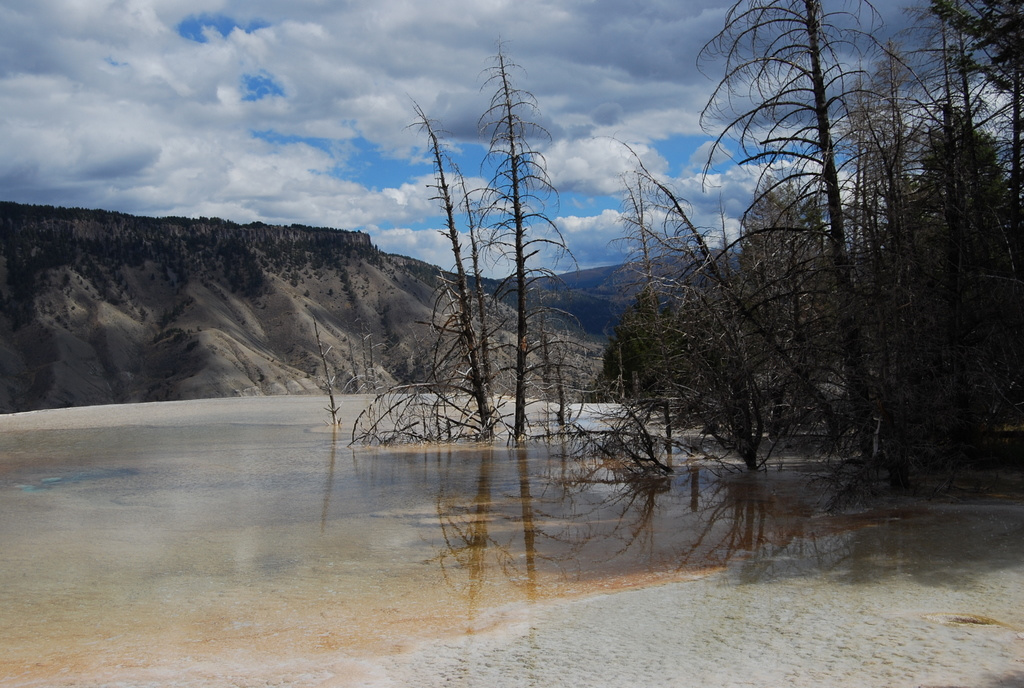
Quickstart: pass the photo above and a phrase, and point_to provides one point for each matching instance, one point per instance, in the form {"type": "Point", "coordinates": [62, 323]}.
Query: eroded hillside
{"type": "Point", "coordinates": [99, 307]}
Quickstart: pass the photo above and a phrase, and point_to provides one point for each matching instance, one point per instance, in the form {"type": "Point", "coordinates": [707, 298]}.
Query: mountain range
{"type": "Point", "coordinates": [99, 307]}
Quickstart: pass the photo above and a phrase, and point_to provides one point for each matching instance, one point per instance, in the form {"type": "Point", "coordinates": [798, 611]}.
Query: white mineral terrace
{"type": "Point", "coordinates": [242, 543]}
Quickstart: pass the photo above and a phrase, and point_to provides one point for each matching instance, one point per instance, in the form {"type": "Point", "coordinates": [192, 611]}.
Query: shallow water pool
{"type": "Point", "coordinates": [242, 542]}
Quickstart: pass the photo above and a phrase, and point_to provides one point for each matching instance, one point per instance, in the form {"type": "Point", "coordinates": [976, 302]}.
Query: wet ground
{"type": "Point", "coordinates": [242, 543]}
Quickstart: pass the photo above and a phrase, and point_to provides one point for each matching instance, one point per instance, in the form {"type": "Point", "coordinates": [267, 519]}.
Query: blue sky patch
{"type": "Point", "coordinates": [573, 203]}
{"type": "Point", "coordinates": [279, 139]}
{"type": "Point", "coordinates": [355, 159]}
{"type": "Point", "coordinates": [192, 26]}
{"type": "Point", "coordinates": [370, 167]}
{"type": "Point", "coordinates": [335, 148]}
{"type": "Point", "coordinates": [679, 151]}
{"type": "Point", "coordinates": [260, 86]}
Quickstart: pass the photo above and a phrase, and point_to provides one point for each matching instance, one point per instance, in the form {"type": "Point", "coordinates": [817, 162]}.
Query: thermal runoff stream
{"type": "Point", "coordinates": [242, 542]}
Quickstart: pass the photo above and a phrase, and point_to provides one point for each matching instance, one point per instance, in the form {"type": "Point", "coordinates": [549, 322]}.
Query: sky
{"type": "Point", "coordinates": [299, 111]}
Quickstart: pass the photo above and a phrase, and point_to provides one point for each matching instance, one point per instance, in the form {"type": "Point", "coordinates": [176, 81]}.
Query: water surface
{"type": "Point", "coordinates": [242, 542]}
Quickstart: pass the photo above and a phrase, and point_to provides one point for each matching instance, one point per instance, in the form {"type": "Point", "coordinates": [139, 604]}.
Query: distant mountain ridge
{"type": "Point", "coordinates": [605, 280]}
{"type": "Point", "coordinates": [596, 297]}
{"type": "Point", "coordinates": [103, 307]}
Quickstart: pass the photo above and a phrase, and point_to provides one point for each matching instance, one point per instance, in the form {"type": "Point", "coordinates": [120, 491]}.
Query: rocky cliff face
{"type": "Point", "coordinates": [99, 307]}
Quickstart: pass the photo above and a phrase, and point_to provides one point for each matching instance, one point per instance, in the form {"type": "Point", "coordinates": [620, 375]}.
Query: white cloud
{"type": "Point", "coordinates": [428, 245]}
{"type": "Point", "coordinates": [595, 240]}
{"type": "Point", "coordinates": [104, 104]}
{"type": "Point", "coordinates": [594, 167]}
{"type": "Point", "coordinates": [717, 201]}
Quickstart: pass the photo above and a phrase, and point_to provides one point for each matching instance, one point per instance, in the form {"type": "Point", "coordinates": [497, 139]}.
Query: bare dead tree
{"type": "Point", "coordinates": [415, 414]}
{"type": "Point", "coordinates": [624, 436]}
{"type": "Point", "coordinates": [790, 73]}
{"type": "Point", "coordinates": [461, 311]}
{"type": "Point", "coordinates": [722, 341]}
{"type": "Point", "coordinates": [469, 364]}
{"type": "Point", "coordinates": [328, 378]}
{"type": "Point", "coordinates": [560, 373]}
{"type": "Point", "coordinates": [516, 208]}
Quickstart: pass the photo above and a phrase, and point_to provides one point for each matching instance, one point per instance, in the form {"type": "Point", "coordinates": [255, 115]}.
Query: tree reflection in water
{"type": "Point", "coordinates": [549, 525]}
{"type": "Point", "coordinates": [257, 542]}
{"type": "Point", "coordinates": [329, 488]}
